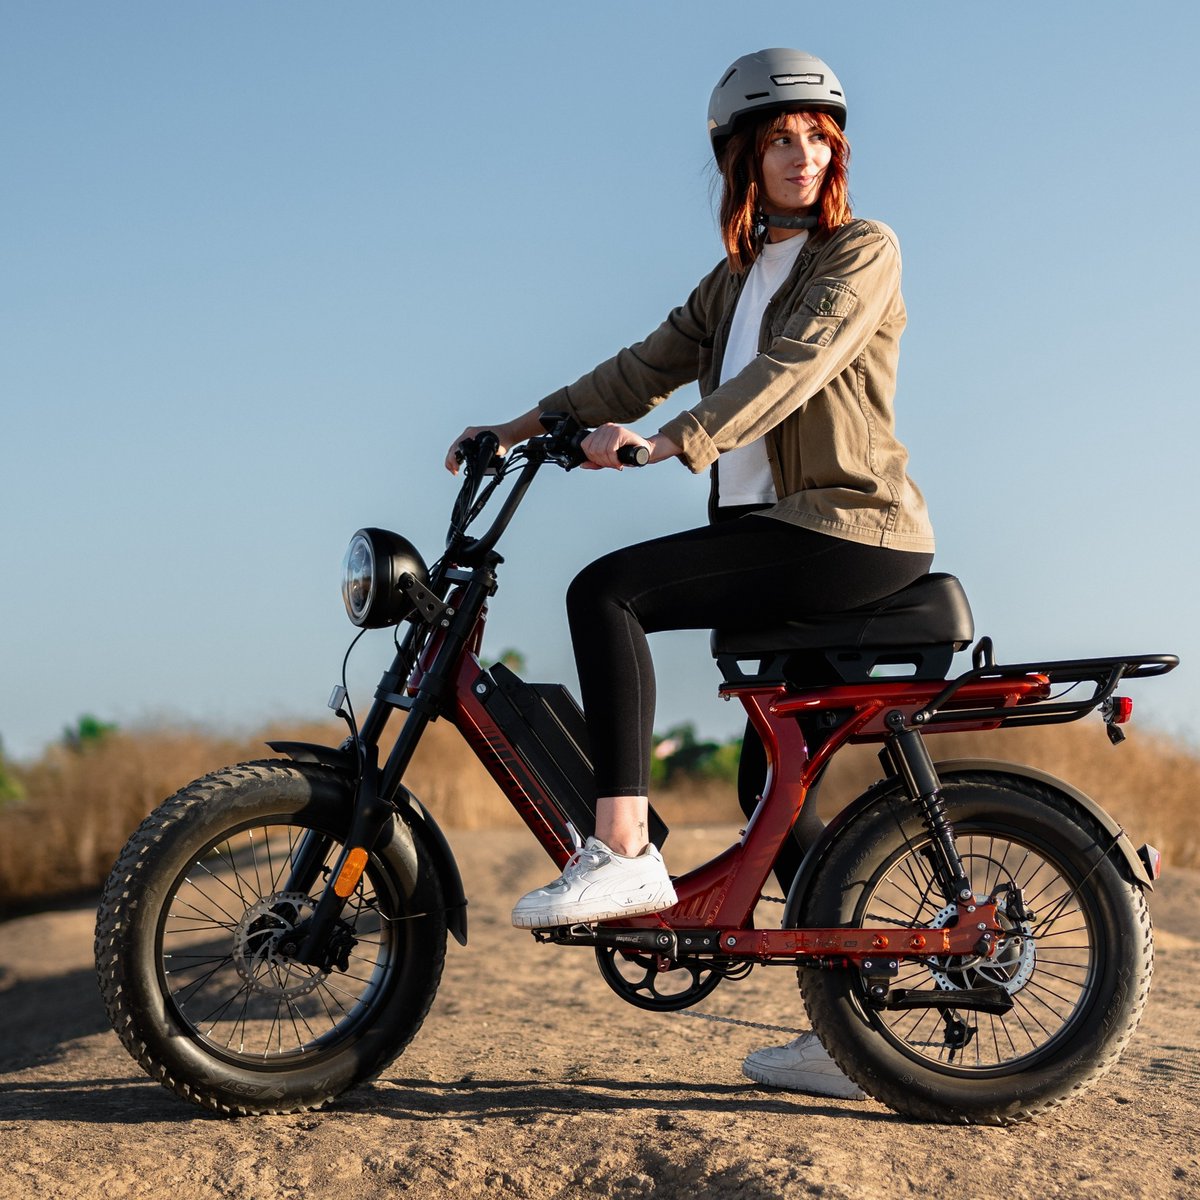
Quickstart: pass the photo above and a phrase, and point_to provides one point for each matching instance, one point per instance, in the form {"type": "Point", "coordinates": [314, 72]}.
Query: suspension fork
{"type": "Point", "coordinates": [307, 861]}
{"type": "Point", "coordinates": [310, 942]}
{"type": "Point", "coordinates": [905, 754]}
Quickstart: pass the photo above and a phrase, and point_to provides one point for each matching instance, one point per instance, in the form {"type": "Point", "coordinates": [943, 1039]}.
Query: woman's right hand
{"type": "Point", "coordinates": [603, 445]}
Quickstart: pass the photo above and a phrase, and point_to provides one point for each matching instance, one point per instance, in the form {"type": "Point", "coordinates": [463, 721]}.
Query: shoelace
{"type": "Point", "coordinates": [581, 857]}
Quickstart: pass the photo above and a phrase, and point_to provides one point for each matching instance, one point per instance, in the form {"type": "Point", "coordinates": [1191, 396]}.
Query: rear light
{"type": "Point", "coordinates": [1116, 711]}
{"type": "Point", "coordinates": [1151, 860]}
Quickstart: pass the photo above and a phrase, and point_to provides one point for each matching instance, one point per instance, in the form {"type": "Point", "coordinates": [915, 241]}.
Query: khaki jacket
{"type": "Point", "coordinates": [820, 390]}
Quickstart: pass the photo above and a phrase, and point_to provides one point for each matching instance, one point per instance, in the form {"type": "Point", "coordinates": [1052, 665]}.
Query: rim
{"type": "Point", "coordinates": [219, 966]}
{"type": "Point", "coordinates": [1047, 965]}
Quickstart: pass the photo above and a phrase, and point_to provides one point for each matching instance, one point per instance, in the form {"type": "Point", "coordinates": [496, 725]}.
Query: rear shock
{"type": "Point", "coordinates": [905, 754]}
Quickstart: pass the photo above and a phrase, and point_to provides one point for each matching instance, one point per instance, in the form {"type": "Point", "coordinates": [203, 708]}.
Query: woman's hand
{"type": "Point", "coordinates": [509, 433]}
{"type": "Point", "coordinates": [603, 443]}
{"type": "Point", "coordinates": [471, 431]}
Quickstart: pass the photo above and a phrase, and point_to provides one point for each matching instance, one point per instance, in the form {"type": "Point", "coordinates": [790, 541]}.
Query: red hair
{"type": "Point", "coordinates": [740, 167]}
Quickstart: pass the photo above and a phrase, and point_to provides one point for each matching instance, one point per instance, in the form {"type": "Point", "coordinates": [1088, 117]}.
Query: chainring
{"type": "Point", "coordinates": [656, 982]}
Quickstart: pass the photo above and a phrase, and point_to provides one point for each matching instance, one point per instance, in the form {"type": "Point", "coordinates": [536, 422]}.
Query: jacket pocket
{"type": "Point", "coordinates": [824, 307]}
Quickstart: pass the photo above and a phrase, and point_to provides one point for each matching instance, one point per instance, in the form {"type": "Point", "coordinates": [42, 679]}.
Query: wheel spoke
{"type": "Point", "coordinates": [220, 963]}
{"type": "Point", "coordinates": [1046, 973]}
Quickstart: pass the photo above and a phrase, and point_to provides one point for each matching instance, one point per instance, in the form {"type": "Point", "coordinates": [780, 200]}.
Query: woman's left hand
{"type": "Point", "coordinates": [602, 444]}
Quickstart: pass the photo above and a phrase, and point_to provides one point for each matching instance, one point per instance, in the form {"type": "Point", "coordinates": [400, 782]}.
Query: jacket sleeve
{"type": "Point", "coordinates": [837, 314]}
{"type": "Point", "coordinates": [632, 382]}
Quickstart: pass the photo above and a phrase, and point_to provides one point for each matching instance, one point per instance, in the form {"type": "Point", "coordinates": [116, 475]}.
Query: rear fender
{"type": "Point", "coordinates": [416, 816]}
{"type": "Point", "coordinates": [959, 771]}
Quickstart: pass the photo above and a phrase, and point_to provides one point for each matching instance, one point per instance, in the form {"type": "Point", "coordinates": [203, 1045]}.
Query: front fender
{"type": "Point", "coordinates": [413, 811]}
{"type": "Point", "coordinates": [960, 770]}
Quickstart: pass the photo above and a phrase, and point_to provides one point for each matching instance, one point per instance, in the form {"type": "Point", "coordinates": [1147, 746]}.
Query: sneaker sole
{"type": "Point", "coordinates": [797, 1081]}
{"type": "Point", "coordinates": [562, 917]}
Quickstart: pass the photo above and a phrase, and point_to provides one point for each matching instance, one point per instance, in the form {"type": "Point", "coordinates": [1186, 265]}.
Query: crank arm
{"type": "Point", "coordinates": [660, 941]}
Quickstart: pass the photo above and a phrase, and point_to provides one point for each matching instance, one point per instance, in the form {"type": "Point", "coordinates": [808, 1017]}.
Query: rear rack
{"type": "Point", "coordinates": [1104, 673]}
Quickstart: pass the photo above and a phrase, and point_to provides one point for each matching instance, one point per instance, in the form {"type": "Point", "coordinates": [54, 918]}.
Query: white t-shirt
{"type": "Point", "coordinates": [745, 474]}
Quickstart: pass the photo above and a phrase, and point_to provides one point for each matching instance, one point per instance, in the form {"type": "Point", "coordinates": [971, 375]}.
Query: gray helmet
{"type": "Point", "coordinates": [772, 79]}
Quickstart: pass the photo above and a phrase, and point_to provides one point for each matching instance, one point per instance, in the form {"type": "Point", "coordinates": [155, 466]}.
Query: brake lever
{"type": "Point", "coordinates": [481, 454]}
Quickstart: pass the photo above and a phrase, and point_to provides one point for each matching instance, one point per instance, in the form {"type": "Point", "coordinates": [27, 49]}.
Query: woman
{"type": "Point", "coordinates": [793, 339]}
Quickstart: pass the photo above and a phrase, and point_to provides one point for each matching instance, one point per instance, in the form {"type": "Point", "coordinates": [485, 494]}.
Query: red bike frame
{"type": "Point", "coordinates": [721, 895]}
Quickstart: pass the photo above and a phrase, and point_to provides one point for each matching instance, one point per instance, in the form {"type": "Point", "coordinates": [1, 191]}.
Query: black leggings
{"type": "Point", "coordinates": [753, 570]}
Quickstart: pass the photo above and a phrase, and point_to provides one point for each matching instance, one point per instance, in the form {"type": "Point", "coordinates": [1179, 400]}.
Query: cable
{"type": "Point", "coordinates": [349, 704]}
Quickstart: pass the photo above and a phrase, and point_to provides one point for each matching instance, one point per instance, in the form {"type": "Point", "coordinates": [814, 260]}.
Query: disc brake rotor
{"type": "Point", "coordinates": [1009, 968]}
{"type": "Point", "coordinates": [256, 941]}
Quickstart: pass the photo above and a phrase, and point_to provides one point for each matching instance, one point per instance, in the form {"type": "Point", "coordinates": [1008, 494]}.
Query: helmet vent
{"type": "Point", "coordinates": [756, 95]}
{"type": "Point", "coordinates": [813, 77]}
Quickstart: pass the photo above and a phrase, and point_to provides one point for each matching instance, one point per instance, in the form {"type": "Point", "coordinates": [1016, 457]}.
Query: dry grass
{"type": "Point", "coordinates": [1149, 783]}
{"type": "Point", "coordinates": [81, 805]}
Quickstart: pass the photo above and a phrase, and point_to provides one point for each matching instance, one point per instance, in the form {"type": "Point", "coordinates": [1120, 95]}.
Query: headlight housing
{"type": "Point", "coordinates": [372, 577]}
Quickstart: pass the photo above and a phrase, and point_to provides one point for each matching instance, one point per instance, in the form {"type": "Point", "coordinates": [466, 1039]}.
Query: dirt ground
{"type": "Point", "coordinates": [531, 1079]}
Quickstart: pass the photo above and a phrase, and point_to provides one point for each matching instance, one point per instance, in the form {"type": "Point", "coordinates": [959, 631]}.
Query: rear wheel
{"type": "Point", "coordinates": [1077, 972]}
{"type": "Point", "coordinates": [195, 942]}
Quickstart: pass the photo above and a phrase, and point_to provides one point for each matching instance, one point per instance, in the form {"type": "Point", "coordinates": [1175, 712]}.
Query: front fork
{"type": "Point", "coordinates": [906, 755]}
{"type": "Point", "coordinates": [311, 942]}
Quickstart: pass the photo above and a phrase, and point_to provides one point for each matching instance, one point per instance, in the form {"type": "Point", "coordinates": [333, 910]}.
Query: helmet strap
{"type": "Point", "coordinates": [806, 220]}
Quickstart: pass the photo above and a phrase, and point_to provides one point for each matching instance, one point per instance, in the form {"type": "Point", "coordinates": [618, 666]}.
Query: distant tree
{"type": "Point", "coordinates": [88, 731]}
{"type": "Point", "coordinates": [514, 660]}
{"type": "Point", "coordinates": [678, 752]}
{"type": "Point", "coordinates": [11, 788]}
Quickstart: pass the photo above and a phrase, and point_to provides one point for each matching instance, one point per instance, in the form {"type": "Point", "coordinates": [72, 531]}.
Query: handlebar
{"type": "Point", "coordinates": [562, 443]}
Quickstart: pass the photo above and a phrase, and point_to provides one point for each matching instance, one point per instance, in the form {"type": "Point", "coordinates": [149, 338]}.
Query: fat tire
{"type": "Point", "coordinates": [141, 885]}
{"type": "Point", "coordinates": [1103, 1023]}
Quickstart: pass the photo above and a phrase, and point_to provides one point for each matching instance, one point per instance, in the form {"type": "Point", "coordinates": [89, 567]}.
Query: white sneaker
{"type": "Point", "coordinates": [803, 1065]}
{"type": "Point", "coordinates": [597, 884]}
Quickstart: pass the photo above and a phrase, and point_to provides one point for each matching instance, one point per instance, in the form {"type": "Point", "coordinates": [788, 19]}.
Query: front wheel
{"type": "Point", "coordinates": [195, 928]}
{"type": "Point", "coordinates": [1077, 971]}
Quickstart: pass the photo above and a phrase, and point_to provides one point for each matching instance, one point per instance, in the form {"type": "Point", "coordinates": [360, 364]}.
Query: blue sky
{"type": "Point", "coordinates": [261, 261]}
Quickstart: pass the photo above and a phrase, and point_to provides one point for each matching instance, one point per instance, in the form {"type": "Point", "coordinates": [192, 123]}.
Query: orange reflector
{"type": "Point", "coordinates": [350, 873]}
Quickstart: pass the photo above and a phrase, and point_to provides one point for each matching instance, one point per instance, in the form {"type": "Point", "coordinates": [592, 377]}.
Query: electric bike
{"type": "Point", "coordinates": [971, 938]}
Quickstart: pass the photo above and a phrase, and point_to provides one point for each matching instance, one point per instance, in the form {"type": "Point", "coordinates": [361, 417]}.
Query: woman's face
{"type": "Point", "coordinates": [794, 164]}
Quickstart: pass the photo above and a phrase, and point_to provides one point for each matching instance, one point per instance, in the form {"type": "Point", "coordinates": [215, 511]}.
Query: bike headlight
{"type": "Point", "coordinates": [373, 572]}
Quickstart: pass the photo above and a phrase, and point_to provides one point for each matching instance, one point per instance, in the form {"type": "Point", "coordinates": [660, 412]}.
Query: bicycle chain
{"type": "Point", "coordinates": [687, 1012]}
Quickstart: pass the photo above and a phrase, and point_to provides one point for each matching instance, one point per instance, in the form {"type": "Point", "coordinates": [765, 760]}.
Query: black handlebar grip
{"type": "Point", "coordinates": [634, 456]}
